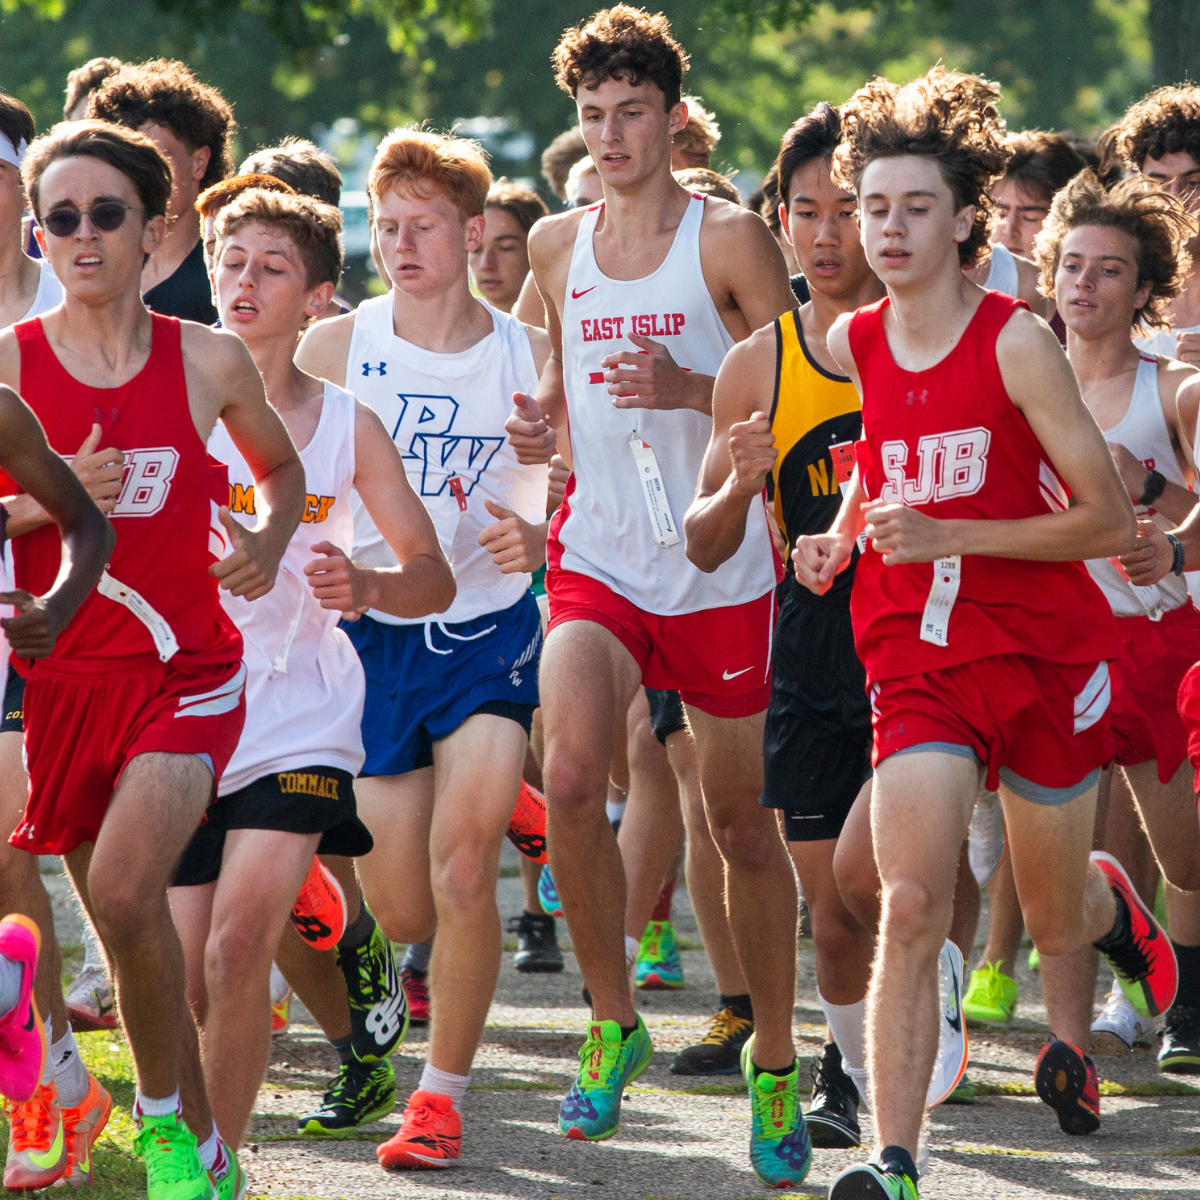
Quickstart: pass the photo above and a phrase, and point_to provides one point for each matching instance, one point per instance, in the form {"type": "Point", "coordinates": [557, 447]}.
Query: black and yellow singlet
{"type": "Point", "coordinates": [815, 414]}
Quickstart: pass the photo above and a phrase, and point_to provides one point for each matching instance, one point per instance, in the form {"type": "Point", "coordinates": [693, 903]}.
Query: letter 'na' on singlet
{"type": "Point", "coordinates": [949, 442]}
{"type": "Point", "coordinates": [164, 515]}
{"type": "Point", "coordinates": [602, 529]}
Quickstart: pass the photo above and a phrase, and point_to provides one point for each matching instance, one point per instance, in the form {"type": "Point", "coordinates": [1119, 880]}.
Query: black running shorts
{"type": "Point", "coordinates": [13, 720]}
{"type": "Point", "coordinates": [666, 713]}
{"type": "Point", "coordinates": [817, 741]}
{"type": "Point", "coordinates": [312, 800]}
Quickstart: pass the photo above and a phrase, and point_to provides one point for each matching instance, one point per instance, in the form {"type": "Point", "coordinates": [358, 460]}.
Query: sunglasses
{"type": "Point", "coordinates": [106, 216]}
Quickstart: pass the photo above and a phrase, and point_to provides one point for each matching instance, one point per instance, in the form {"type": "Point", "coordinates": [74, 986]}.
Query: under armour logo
{"type": "Point", "coordinates": [367, 368]}
{"type": "Point", "coordinates": [921, 397]}
{"type": "Point", "coordinates": [107, 414]}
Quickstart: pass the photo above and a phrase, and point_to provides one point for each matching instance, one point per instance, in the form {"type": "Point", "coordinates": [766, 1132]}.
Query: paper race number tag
{"type": "Point", "coordinates": [160, 631]}
{"type": "Point", "coordinates": [843, 462]}
{"type": "Point", "coordinates": [947, 575]}
{"type": "Point", "coordinates": [456, 490]}
{"type": "Point", "coordinates": [655, 495]}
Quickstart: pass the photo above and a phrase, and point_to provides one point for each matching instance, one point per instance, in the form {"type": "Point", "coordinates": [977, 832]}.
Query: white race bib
{"type": "Point", "coordinates": [655, 494]}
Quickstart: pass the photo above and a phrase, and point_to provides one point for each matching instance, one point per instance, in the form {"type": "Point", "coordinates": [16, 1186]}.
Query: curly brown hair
{"type": "Point", "coordinates": [1155, 219]}
{"type": "Point", "coordinates": [305, 167]}
{"type": "Point", "coordinates": [313, 226]}
{"type": "Point", "coordinates": [946, 116]}
{"type": "Point", "coordinates": [83, 81]}
{"type": "Point", "coordinates": [167, 93]}
{"type": "Point", "coordinates": [221, 195]}
{"type": "Point", "coordinates": [1165, 122]}
{"type": "Point", "coordinates": [621, 42]}
{"type": "Point", "coordinates": [1042, 162]}
{"type": "Point", "coordinates": [560, 156]}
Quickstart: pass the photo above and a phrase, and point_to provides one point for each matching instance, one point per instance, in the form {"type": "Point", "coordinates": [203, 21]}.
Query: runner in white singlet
{"type": "Point", "coordinates": [644, 294]}
{"type": "Point", "coordinates": [290, 789]}
{"type": "Point", "coordinates": [450, 699]}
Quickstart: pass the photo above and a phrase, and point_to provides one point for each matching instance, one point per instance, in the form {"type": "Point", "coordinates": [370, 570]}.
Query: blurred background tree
{"type": "Point", "coordinates": [316, 66]}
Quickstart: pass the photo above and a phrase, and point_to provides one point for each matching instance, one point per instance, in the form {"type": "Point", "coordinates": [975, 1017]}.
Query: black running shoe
{"type": "Point", "coordinates": [537, 944]}
{"type": "Point", "coordinates": [832, 1118]}
{"type": "Point", "coordinates": [1180, 1051]}
{"type": "Point", "coordinates": [361, 1093]}
{"type": "Point", "coordinates": [719, 1052]}
{"type": "Point", "coordinates": [378, 1007]}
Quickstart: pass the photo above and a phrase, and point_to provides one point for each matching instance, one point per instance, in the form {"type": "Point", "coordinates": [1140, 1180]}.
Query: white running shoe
{"type": "Point", "coordinates": [985, 838]}
{"type": "Point", "coordinates": [952, 1027]}
{"type": "Point", "coordinates": [1118, 1028]}
{"type": "Point", "coordinates": [90, 1002]}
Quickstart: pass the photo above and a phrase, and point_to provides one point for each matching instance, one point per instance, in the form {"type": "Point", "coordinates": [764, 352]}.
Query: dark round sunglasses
{"type": "Point", "coordinates": [106, 216]}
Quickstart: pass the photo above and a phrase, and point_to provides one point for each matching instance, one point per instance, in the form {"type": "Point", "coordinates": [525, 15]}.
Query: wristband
{"type": "Point", "coordinates": [1153, 487]}
{"type": "Point", "coordinates": [1178, 554]}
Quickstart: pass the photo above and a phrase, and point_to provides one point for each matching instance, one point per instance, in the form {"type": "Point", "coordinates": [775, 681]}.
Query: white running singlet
{"type": "Point", "coordinates": [446, 414]}
{"type": "Point", "coordinates": [304, 681]}
{"type": "Point", "coordinates": [1164, 341]}
{"type": "Point", "coordinates": [605, 530]}
{"type": "Point", "coordinates": [1003, 275]}
{"type": "Point", "coordinates": [1143, 432]}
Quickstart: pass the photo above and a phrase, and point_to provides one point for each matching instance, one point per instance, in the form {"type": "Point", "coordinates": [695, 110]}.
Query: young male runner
{"type": "Point", "coordinates": [993, 656]}
{"type": "Point", "coordinates": [147, 685]}
{"type": "Point", "coordinates": [192, 124]}
{"type": "Point", "coordinates": [500, 264]}
{"type": "Point", "coordinates": [783, 411]}
{"type": "Point", "coordinates": [289, 787]}
{"type": "Point", "coordinates": [449, 700]}
{"type": "Point", "coordinates": [645, 293]}
{"type": "Point", "coordinates": [1113, 263]}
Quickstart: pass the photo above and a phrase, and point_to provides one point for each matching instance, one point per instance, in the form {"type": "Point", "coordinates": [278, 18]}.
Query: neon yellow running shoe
{"type": "Point", "coordinates": [780, 1149]}
{"type": "Point", "coordinates": [173, 1169]}
{"type": "Point", "coordinates": [591, 1110]}
{"type": "Point", "coordinates": [991, 997]}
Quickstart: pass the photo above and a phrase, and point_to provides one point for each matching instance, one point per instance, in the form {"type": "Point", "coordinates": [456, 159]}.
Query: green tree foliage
{"type": "Point", "coordinates": [293, 65]}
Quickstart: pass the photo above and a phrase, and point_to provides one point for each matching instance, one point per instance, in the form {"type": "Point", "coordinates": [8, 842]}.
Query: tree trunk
{"type": "Point", "coordinates": [1175, 37]}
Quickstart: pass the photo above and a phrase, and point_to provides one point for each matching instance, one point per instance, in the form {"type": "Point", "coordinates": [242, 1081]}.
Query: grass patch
{"type": "Point", "coordinates": [1107, 1088]}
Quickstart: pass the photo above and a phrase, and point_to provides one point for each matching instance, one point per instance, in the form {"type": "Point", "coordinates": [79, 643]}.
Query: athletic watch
{"type": "Point", "coordinates": [1153, 487]}
{"type": "Point", "coordinates": [1178, 554]}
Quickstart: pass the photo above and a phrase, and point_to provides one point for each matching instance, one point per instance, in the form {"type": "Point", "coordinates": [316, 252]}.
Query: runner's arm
{"type": "Point", "coordinates": [87, 537]}
{"type": "Point", "coordinates": [1099, 522]}
{"type": "Point", "coordinates": [740, 454]}
{"type": "Point", "coordinates": [323, 348]}
{"type": "Point", "coordinates": [423, 582]}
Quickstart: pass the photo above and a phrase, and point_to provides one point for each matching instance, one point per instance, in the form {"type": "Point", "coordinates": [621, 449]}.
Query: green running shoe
{"type": "Point", "coordinates": [658, 965]}
{"type": "Point", "coordinates": [780, 1149]}
{"type": "Point", "coordinates": [378, 1005]}
{"type": "Point", "coordinates": [361, 1093]}
{"type": "Point", "coordinates": [1034, 961]}
{"type": "Point", "coordinates": [173, 1170]}
{"type": "Point", "coordinates": [991, 997]}
{"type": "Point", "coordinates": [869, 1182]}
{"type": "Point", "coordinates": [964, 1092]}
{"type": "Point", "coordinates": [228, 1176]}
{"type": "Point", "coordinates": [591, 1110]}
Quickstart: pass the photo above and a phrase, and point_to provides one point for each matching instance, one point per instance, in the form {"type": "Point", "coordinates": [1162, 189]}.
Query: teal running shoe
{"type": "Point", "coordinates": [591, 1110]}
{"type": "Point", "coordinates": [658, 966]}
{"type": "Point", "coordinates": [548, 894]}
{"type": "Point", "coordinates": [780, 1149]}
{"type": "Point", "coordinates": [869, 1182]}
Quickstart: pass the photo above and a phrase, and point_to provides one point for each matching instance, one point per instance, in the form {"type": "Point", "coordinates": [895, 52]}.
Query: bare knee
{"type": "Point", "coordinates": [119, 902]}
{"type": "Point", "coordinates": [746, 839]}
{"type": "Point", "coordinates": [1052, 933]}
{"type": "Point", "coordinates": [466, 878]}
{"type": "Point", "coordinates": [403, 922]}
{"type": "Point", "coordinates": [913, 917]}
{"type": "Point", "coordinates": [237, 956]}
{"type": "Point", "coordinates": [574, 783]}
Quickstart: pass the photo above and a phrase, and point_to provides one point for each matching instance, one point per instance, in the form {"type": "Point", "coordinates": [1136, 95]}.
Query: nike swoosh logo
{"type": "Point", "coordinates": [955, 1022]}
{"type": "Point", "coordinates": [735, 674]}
{"type": "Point", "coordinates": [575, 295]}
{"type": "Point", "coordinates": [51, 1156]}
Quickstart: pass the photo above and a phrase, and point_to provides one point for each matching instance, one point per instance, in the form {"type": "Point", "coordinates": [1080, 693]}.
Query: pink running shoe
{"type": "Point", "coordinates": [22, 1039]}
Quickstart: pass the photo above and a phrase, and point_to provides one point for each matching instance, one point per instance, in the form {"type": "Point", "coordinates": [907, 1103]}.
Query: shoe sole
{"type": "Point", "coordinates": [83, 1021]}
{"type": "Point", "coordinates": [656, 983]}
{"type": "Point", "coordinates": [859, 1186]}
{"type": "Point", "coordinates": [1060, 1080]}
{"type": "Point", "coordinates": [1184, 1064]}
{"type": "Point", "coordinates": [315, 1130]}
{"type": "Point", "coordinates": [1106, 1044]}
{"type": "Point", "coordinates": [539, 968]}
{"type": "Point", "coordinates": [830, 1135]}
{"type": "Point", "coordinates": [409, 1161]}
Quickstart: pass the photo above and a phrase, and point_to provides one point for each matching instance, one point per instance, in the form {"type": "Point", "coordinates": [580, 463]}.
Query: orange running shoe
{"type": "Point", "coordinates": [83, 1124]}
{"type": "Point", "coordinates": [430, 1136]}
{"type": "Point", "coordinates": [279, 1015]}
{"type": "Point", "coordinates": [527, 829]}
{"type": "Point", "coordinates": [37, 1145]}
{"type": "Point", "coordinates": [319, 913]}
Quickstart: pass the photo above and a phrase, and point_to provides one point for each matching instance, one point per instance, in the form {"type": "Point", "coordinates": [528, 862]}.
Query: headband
{"type": "Point", "coordinates": [10, 153]}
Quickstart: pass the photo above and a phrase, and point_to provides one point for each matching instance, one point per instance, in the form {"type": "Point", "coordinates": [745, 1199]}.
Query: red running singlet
{"type": "Point", "coordinates": [162, 517]}
{"type": "Point", "coordinates": [949, 442]}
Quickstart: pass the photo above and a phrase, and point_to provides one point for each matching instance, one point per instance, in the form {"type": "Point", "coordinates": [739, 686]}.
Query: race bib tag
{"type": "Point", "coordinates": [947, 575]}
{"type": "Point", "coordinates": [843, 462]}
{"type": "Point", "coordinates": [456, 490]}
{"type": "Point", "coordinates": [160, 631]}
{"type": "Point", "coordinates": [661, 520]}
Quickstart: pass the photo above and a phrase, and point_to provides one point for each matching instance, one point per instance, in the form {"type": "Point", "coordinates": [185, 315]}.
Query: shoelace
{"type": "Point", "coordinates": [824, 1077]}
{"type": "Point", "coordinates": [993, 984]}
{"type": "Point", "coordinates": [164, 1166]}
{"type": "Point", "coordinates": [724, 1027]}
{"type": "Point", "coordinates": [599, 1056]}
{"type": "Point", "coordinates": [348, 1081]}
{"type": "Point", "coordinates": [418, 1121]}
{"type": "Point", "coordinates": [30, 1122]}
{"type": "Point", "coordinates": [1183, 1022]}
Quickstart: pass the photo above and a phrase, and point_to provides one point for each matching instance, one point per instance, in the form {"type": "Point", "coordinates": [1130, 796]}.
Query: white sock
{"type": "Point", "coordinates": [93, 952]}
{"type": "Point", "coordinates": [614, 811]}
{"type": "Point", "coordinates": [632, 946]}
{"type": "Point", "coordinates": [146, 1106]}
{"type": "Point", "coordinates": [442, 1083]}
{"type": "Point", "coordinates": [279, 985]}
{"type": "Point", "coordinates": [848, 1024]}
{"type": "Point", "coordinates": [70, 1075]}
{"type": "Point", "coordinates": [48, 1062]}
{"type": "Point", "coordinates": [208, 1149]}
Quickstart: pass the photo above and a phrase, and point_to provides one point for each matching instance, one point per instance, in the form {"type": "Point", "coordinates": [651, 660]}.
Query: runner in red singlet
{"type": "Point", "coordinates": [146, 685]}
{"type": "Point", "coordinates": [992, 660]}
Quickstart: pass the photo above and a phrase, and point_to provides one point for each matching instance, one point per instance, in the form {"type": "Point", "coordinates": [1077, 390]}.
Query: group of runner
{"type": "Point", "coordinates": [872, 585]}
